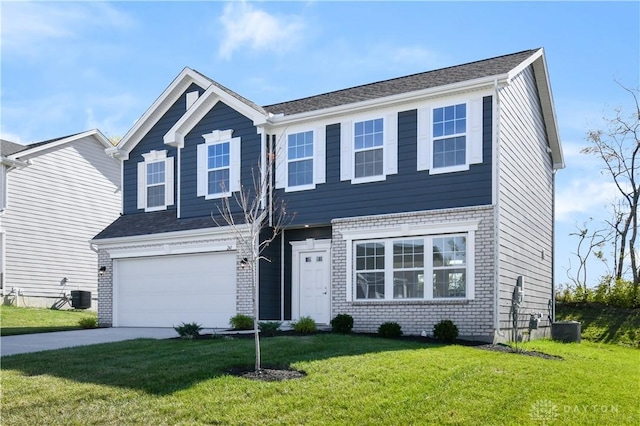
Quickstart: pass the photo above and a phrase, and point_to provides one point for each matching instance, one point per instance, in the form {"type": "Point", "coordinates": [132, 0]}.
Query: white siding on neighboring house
{"type": "Point", "coordinates": [54, 207]}
{"type": "Point", "coordinates": [525, 200]}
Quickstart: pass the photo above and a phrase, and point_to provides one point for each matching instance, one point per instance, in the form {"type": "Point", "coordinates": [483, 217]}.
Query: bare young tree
{"type": "Point", "coordinates": [618, 147]}
{"type": "Point", "coordinates": [590, 243]}
{"type": "Point", "coordinates": [258, 221]}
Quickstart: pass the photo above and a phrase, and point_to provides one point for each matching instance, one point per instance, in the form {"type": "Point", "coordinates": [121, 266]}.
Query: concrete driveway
{"type": "Point", "coordinates": [25, 343]}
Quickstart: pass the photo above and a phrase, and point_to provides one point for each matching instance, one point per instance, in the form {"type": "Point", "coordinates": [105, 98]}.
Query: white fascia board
{"type": "Point", "coordinates": [389, 101]}
{"type": "Point", "coordinates": [97, 134]}
{"type": "Point", "coordinates": [539, 64]}
{"type": "Point", "coordinates": [211, 96]}
{"type": "Point", "coordinates": [160, 107]}
{"type": "Point", "coordinates": [171, 237]}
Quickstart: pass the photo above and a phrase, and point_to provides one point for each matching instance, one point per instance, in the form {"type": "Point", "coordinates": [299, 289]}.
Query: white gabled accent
{"type": "Point", "coordinates": [200, 108]}
{"type": "Point", "coordinates": [161, 105]}
{"type": "Point", "coordinates": [346, 150]}
{"type": "Point", "coordinates": [474, 131]}
{"type": "Point", "coordinates": [391, 144]}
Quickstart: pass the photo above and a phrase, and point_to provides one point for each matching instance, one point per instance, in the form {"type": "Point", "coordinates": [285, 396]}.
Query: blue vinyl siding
{"type": "Point", "coordinates": [409, 190]}
{"type": "Point", "coordinates": [270, 293]}
{"type": "Point", "coordinates": [152, 140]}
{"type": "Point", "coordinates": [220, 117]}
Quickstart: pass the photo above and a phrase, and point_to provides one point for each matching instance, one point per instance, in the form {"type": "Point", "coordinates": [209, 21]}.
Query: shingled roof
{"type": "Point", "coordinates": [8, 148]}
{"type": "Point", "coordinates": [410, 83]}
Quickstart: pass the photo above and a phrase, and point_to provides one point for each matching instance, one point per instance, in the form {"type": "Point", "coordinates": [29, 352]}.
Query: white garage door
{"type": "Point", "coordinates": [164, 291]}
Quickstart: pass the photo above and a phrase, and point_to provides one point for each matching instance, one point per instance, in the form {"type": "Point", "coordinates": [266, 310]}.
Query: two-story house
{"type": "Point", "coordinates": [416, 199]}
{"type": "Point", "coordinates": [55, 195]}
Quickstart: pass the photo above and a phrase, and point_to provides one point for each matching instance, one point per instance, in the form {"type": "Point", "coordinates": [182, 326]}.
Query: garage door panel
{"type": "Point", "coordinates": [164, 291]}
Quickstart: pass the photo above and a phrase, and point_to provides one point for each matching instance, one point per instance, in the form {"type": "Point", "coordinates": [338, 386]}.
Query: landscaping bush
{"type": "Point", "coordinates": [269, 328]}
{"type": "Point", "coordinates": [88, 322]}
{"type": "Point", "coordinates": [609, 292]}
{"type": "Point", "coordinates": [305, 325]}
{"type": "Point", "coordinates": [342, 323]}
{"type": "Point", "coordinates": [188, 330]}
{"type": "Point", "coordinates": [390, 330]}
{"type": "Point", "coordinates": [445, 330]}
{"type": "Point", "coordinates": [241, 322]}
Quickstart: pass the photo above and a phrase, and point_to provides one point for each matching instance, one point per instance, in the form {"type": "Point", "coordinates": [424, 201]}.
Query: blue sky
{"type": "Point", "coordinates": [73, 66]}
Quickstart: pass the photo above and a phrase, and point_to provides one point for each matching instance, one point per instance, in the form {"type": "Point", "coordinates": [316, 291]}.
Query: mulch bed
{"type": "Point", "coordinates": [268, 374]}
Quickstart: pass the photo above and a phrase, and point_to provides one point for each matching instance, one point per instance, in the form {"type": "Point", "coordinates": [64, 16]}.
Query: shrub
{"type": "Point", "coordinates": [188, 330]}
{"type": "Point", "coordinates": [390, 330]}
{"type": "Point", "coordinates": [305, 325]}
{"type": "Point", "coordinates": [241, 322]}
{"type": "Point", "coordinates": [342, 323]}
{"type": "Point", "coordinates": [445, 330]}
{"type": "Point", "coordinates": [269, 328]}
{"type": "Point", "coordinates": [88, 322]}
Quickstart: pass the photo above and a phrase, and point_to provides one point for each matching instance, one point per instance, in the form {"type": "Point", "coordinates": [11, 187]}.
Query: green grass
{"type": "Point", "coordinates": [604, 324]}
{"type": "Point", "coordinates": [15, 320]}
{"type": "Point", "coordinates": [350, 380]}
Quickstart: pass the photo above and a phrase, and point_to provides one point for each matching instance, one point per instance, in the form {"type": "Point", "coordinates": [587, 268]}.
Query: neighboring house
{"type": "Point", "coordinates": [417, 199]}
{"type": "Point", "coordinates": [56, 195]}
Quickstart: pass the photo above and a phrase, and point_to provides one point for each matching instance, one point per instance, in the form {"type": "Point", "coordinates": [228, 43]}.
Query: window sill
{"type": "Point", "coordinates": [155, 209]}
{"type": "Point", "coordinates": [411, 302]}
{"type": "Point", "coordinates": [299, 188]}
{"type": "Point", "coordinates": [440, 170]}
{"type": "Point", "coordinates": [368, 179]}
{"type": "Point", "coordinates": [217, 196]}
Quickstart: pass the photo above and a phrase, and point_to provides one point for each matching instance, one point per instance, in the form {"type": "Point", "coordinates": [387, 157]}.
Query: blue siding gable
{"type": "Point", "coordinates": [220, 117]}
{"type": "Point", "coordinates": [153, 140]}
{"type": "Point", "coordinates": [408, 190]}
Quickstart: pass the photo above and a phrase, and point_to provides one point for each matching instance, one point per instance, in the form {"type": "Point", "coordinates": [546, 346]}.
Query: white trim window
{"type": "Point", "coordinates": [450, 135]}
{"type": "Point", "coordinates": [218, 165]}
{"type": "Point", "coordinates": [433, 267]}
{"type": "Point", "coordinates": [301, 159]}
{"type": "Point", "coordinates": [155, 181]}
{"type": "Point", "coordinates": [369, 148]}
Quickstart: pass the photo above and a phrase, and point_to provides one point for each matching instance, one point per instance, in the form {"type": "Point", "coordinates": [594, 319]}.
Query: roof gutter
{"type": "Point", "coordinates": [465, 86]}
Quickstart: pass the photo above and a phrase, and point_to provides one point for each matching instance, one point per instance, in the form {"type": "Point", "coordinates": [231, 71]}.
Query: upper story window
{"type": "Point", "coordinates": [300, 159]}
{"type": "Point", "coordinates": [368, 141]}
{"type": "Point", "coordinates": [449, 136]}
{"type": "Point", "coordinates": [218, 162]}
{"type": "Point", "coordinates": [369, 148]}
{"type": "Point", "coordinates": [155, 181]}
{"type": "Point", "coordinates": [425, 267]}
{"type": "Point", "coordinates": [218, 165]}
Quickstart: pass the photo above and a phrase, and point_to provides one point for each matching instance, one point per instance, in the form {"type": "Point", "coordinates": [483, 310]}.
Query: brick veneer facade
{"type": "Point", "coordinates": [474, 318]}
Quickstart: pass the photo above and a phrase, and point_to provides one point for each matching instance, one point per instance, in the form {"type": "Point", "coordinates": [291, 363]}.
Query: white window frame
{"type": "Point", "coordinates": [319, 158]}
{"type": "Point", "coordinates": [214, 138]}
{"type": "Point", "coordinates": [389, 146]}
{"type": "Point", "coordinates": [404, 232]}
{"type": "Point", "coordinates": [473, 134]}
{"type": "Point", "coordinates": [149, 158]}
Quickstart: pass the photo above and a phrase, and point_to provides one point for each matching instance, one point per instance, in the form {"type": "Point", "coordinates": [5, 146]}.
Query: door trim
{"type": "Point", "coordinates": [297, 249]}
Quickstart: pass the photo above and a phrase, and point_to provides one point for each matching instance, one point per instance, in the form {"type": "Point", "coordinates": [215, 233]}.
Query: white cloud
{"type": "Point", "coordinates": [247, 26]}
{"type": "Point", "coordinates": [583, 196]}
{"type": "Point", "coordinates": [28, 28]}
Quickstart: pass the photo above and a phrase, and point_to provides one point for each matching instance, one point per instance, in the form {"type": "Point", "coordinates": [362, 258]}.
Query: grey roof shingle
{"type": "Point", "coordinates": [20, 148]}
{"type": "Point", "coordinates": [156, 222]}
{"type": "Point", "coordinates": [410, 83]}
{"type": "Point", "coordinates": [8, 148]}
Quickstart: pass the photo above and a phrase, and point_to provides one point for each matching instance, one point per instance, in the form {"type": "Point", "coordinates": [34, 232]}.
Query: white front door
{"type": "Point", "coordinates": [314, 285]}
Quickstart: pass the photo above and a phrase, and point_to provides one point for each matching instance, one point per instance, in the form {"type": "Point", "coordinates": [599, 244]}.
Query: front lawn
{"type": "Point", "coordinates": [350, 380]}
{"type": "Point", "coordinates": [603, 323]}
{"type": "Point", "coordinates": [15, 320]}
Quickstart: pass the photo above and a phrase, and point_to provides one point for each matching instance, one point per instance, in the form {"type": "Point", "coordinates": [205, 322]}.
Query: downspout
{"type": "Point", "coordinates": [178, 180]}
{"type": "Point", "coordinates": [553, 247]}
{"type": "Point", "coordinates": [496, 212]}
